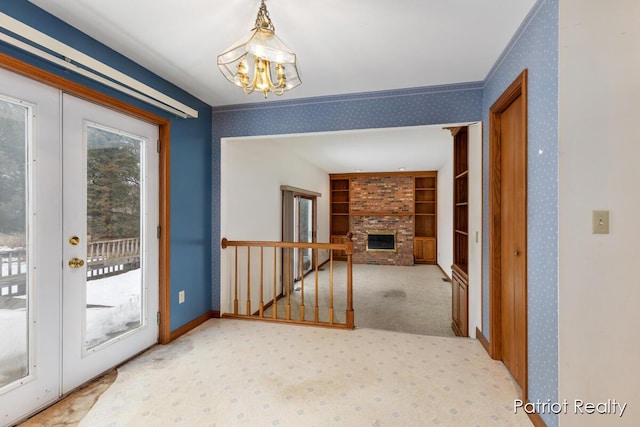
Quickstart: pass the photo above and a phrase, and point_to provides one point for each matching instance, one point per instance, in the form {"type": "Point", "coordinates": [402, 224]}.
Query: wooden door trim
{"type": "Point", "coordinates": [518, 88]}
{"type": "Point", "coordinates": [164, 128]}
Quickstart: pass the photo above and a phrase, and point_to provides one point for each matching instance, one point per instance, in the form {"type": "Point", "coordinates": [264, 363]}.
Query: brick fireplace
{"type": "Point", "coordinates": [382, 203]}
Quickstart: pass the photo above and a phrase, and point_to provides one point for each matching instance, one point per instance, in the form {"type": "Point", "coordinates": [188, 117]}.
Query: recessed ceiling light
{"type": "Point", "coordinates": [402, 169]}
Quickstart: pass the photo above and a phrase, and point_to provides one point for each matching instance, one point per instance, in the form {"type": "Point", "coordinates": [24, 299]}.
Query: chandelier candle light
{"type": "Point", "coordinates": [266, 55]}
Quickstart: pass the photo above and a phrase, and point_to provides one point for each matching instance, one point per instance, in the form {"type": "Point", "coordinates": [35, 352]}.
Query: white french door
{"type": "Point", "coordinates": [30, 234]}
{"type": "Point", "coordinates": [78, 247]}
{"type": "Point", "coordinates": [304, 226]}
{"type": "Point", "coordinates": [110, 248]}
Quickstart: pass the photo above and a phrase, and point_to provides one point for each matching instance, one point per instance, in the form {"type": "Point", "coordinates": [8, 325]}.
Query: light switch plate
{"type": "Point", "coordinates": [600, 222]}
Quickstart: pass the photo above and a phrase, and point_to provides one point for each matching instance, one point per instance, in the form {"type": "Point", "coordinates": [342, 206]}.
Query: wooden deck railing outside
{"type": "Point", "coordinates": [13, 262]}
{"type": "Point", "coordinates": [104, 258]}
{"type": "Point", "coordinates": [271, 290]}
{"type": "Point", "coordinates": [13, 272]}
{"type": "Point", "coordinates": [109, 257]}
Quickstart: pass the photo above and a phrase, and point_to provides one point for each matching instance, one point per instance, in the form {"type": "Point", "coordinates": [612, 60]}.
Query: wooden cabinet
{"type": "Point", "coordinates": [339, 223]}
{"type": "Point", "coordinates": [460, 267]}
{"type": "Point", "coordinates": [425, 203]}
{"type": "Point", "coordinates": [338, 254]}
{"type": "Point", "coordinates": [459, 302]}
{"type": "Point", "coordinates": [424, 250]}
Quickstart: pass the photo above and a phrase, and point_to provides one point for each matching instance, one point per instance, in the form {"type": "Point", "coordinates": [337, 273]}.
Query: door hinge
{"type": "Point", "coordinates": [158, 145]}
{"type": "Point", "coordinates": [158, 231]}
{"type": "Point", "coordinates": [158, 318]}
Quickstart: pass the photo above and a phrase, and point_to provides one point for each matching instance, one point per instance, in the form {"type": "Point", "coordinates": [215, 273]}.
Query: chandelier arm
{"type": "Point", "coordinates": [251, 86]}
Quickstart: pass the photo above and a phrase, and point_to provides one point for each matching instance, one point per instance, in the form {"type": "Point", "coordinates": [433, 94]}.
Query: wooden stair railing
{"type": "Point", "coordinates": [279, 261]}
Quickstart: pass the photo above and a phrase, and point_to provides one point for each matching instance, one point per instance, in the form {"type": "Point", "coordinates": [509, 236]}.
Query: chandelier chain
{"type": "Point", "coordinates": [263, 20]}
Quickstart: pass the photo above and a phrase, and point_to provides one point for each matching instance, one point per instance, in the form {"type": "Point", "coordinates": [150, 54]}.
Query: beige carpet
{"type": "Point", "coordinates": [403, 299]}
{"type": "Point", "coordinates": [412, 299]}
{"type": "Point", "coordinates": [231, 372]}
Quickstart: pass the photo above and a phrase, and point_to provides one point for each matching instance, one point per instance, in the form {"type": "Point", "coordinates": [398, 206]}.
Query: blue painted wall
{"type": "Point", "coordinates": [409, 107]}
{"type": "Point", "coordinates": [536, 49]}
{"type": "Point", "coordinates": [190, 157]}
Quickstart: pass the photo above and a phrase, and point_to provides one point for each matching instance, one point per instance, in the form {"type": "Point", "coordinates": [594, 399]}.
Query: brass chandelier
{"type": "Point", "coordinates": [252, 62]}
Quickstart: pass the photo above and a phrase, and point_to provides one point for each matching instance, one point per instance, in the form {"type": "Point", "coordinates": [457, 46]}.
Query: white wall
{"type": "Point", "coordinates": [599, 150]}
{"type": "Point", "coordinates": [475, 228]}
{"type": "Point", "coordinates": [251, 203]}
{"type": "Point", "coordinates": [445, 213]}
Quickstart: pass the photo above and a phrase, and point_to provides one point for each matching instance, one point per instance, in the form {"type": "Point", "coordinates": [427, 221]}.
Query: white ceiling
{"type": "Point", "coordinates": [371, 150]}
{"type": "Point", "coordinates": [343, 46]}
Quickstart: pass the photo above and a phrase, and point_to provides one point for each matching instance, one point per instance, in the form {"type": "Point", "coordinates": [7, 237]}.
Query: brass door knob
{"type": "Point", "coordinates": [76, 262]}
{"type": "Point", "coordinates": [74, 240]}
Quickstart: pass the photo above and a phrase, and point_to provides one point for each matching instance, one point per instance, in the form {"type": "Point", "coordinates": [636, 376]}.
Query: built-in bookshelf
{"type": "Point", "coordinates": [339, 224]}
{"type": "Point", "coordinates": [460, 267]}
{"type": "Point", "coordinates": [425, 218]}
{"type": "Point", "coordinates": [461, 200]}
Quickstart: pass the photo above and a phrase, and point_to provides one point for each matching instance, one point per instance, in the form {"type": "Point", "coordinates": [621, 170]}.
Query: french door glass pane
{"type": "Point", "coordinates": [14, 292]}
{"type": "Point", "coordinates": [306, 231]}
{"type": "Point", "coordinates": [114, 291]}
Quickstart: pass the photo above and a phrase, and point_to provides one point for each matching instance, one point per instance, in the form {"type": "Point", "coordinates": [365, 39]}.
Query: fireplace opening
{"type": "Point", "coordinates": [381, 241]}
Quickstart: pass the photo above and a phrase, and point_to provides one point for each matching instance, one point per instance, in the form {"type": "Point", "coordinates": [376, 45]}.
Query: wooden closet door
{"type": "Point", "coordinates": [513, 231]}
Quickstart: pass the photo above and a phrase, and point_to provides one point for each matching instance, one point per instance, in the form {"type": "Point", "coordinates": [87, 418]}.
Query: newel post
{"type": "Point", "coordinates": [349, 251]}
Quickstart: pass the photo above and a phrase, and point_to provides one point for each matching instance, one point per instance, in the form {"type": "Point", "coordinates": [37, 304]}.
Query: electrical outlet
{"type": "Point", "coordinates": [180, 297]}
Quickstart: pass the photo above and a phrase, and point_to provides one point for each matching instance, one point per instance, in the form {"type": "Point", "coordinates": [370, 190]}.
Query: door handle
{"type": "Point", "coordinates": [516, 253]}
{"type": "Point", "coordinates": [76, 262]}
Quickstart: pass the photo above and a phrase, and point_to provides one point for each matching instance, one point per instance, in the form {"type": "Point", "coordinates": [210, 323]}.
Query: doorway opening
{"type": "Point", "coordinates": [255, 167]}
{"type": "Point", "coordinates": [299, 225]}
{"type": "Point", "coordinates": [304, 226]}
